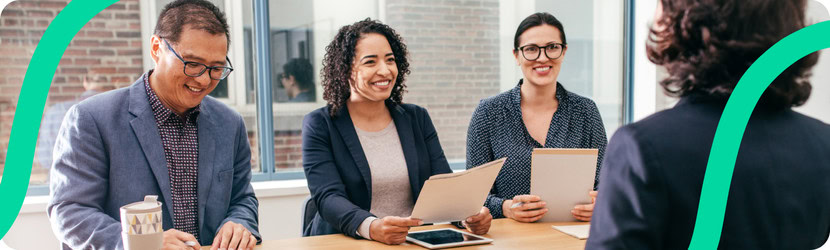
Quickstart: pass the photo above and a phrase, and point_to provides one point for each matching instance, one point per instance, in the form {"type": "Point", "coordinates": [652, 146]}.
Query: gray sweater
{"type": "Point", "coordinates": [391, 192]}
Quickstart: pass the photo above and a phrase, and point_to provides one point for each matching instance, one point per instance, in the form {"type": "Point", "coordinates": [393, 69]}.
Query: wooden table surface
{"type": "Point", "coordinates": [506, 234]}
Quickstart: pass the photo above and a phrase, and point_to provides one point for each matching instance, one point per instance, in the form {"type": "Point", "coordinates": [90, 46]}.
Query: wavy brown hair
{"type": "Point", "coordinates": [340, 53]}
{"type": "Point", "coordinates": [707, 45]}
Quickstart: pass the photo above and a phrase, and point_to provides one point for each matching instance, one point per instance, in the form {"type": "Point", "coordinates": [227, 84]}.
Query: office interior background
{"type": "Point", "coordinates": [460, 52]}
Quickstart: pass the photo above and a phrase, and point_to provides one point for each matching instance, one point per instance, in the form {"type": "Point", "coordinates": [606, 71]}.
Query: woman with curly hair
{"type": "Point", "coordinates": [779, 196]}
{"type": "Point", "coordinates": [367, 154]}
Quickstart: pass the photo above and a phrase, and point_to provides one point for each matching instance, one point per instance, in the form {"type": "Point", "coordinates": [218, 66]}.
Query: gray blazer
{"type": "Point", "coordinates": [109, 153]}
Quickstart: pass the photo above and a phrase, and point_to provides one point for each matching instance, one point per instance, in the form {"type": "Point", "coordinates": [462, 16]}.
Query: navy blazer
{"type": "Point", "coordinates": [653, 173]}
{"type": "Point", "coordinates": [338, 173]}
{"type": "Point", "coordinates": [109, 154]}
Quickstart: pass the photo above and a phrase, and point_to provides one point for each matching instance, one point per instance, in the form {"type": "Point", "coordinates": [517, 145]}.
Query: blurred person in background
{"type": "Point", "coordinates": [298, 80]}
{"type": "Point", "coordinates": [93, 84]}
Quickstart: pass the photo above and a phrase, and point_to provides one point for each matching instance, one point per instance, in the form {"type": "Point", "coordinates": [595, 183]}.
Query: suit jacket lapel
{"type": "Point", "coordinates": [407, 137]}
{"type": "Point", "coordinates": [207, 152]}
{"type": "Point", "coordinates": [343, 122]}
{"type": "Point", "coordinates": [146, 130]}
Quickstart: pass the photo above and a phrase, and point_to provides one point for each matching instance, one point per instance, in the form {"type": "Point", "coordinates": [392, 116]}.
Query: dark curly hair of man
{"type": "Point", "coordinates": [707, 45]}
{"type": "Point", "coordinates": [340, 53]}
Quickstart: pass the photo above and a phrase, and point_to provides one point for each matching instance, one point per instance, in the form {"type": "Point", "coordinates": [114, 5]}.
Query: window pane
{"type": "Point", "coordinates": [593, 63]}
{"type": "Point", "coordinates": [221, 90]}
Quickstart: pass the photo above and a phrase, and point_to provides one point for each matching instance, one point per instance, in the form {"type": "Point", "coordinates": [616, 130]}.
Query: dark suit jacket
{"type": "Point", "coordinates": [338, 173]}
{"type": "Point", "coordinates": [109, 154]}
{"type": "Point", "coordinates": [653, 172]}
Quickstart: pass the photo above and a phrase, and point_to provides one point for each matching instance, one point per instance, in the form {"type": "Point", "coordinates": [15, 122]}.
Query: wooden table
{"type": "Point", "coordinates": [506, 234]}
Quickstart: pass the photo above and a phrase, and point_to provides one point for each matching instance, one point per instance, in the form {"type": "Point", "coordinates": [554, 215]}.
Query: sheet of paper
{"type": "Point", "coordinates": [562, 177]}
{"type": "Point", "coordinates": [577, 231]}
{"type": "Point", "coordinates": [456, 196]}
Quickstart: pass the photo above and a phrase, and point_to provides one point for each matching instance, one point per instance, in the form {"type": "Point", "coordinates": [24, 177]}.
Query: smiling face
{"type": "Point", "coordinates": [177, 91]}
{"type": "Point", "coordinates": [373, 70]}
{"type": "Point", "coordinates": [543, 70]}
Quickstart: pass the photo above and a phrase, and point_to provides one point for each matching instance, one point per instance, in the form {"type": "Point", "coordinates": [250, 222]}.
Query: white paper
{"type": "Point", "coordinates": [577, 231]}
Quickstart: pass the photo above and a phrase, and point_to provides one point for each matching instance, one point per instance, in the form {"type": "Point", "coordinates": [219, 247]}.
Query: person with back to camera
{"type": "Point", "coordinates": [538, 113]}
{"type": "Point", "coordinates": [366, 154]}
{"type": "Point", "coordinates": [779, 197]}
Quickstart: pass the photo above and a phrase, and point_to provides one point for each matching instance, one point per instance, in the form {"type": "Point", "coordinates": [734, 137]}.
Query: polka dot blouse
{"type": "Point", "coordinates": [497, 130]}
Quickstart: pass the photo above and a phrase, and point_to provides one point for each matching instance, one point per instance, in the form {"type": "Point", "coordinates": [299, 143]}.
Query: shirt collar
{"type": "Point", "coordinates": [161, 112]}
{"type": "Point", "coordinates": [516, 95]}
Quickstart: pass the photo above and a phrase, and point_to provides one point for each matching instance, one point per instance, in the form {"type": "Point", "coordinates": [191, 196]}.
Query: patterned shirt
{"type": "Point", "coordinates": [181, 149]}
{"type": "Point", "coordinates": [497, 130]}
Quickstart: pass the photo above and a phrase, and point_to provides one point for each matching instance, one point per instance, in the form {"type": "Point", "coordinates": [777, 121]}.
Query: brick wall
{"type": "Point", "coordinates": [109, 46]}
{"type": "Point", "coordinates": [288, 155]}
{"type": "Point", "coordinates": [453, 47]}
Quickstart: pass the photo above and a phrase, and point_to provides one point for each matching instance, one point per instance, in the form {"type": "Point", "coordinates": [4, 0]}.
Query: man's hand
{"type": "Point", "coordinates": [479, 223]}
{"type": "Point", "coordinates": [175, 239]}
{"type": "Point", "coordinates": [532, 208]}
{"type": "Point", "coordinates": [584, 212]}
{"type": "Point", "coordinates": [233, 236]}
{"type": "Point", "coordinates": [392, 230]}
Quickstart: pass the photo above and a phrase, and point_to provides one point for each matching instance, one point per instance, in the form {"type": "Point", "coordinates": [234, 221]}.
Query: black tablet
{"type": "Point", "coordinates": [444, 238]}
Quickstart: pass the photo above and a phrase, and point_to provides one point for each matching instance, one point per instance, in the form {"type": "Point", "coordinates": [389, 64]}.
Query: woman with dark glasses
{"type": "Point", "coordinates": [537, 113]}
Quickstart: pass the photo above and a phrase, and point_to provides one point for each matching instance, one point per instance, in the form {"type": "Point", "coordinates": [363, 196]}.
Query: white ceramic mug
{"type": "Point", "coordinates": [141, 224]}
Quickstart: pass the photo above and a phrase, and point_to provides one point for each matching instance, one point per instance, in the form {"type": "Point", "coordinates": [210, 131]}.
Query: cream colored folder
{"type": "Point", "coordinates": [456, 196]}
{"type": "Point", "coordinates": [562, 177]}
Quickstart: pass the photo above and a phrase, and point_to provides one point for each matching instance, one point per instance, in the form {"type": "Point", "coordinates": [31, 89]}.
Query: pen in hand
{"type": "Point", "coordinates": [190, 243]}
{"type": "Point", "coordinates": [517, 204]}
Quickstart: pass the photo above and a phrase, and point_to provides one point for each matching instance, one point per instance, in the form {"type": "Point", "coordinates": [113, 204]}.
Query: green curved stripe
{"type": "Point", "coordinates": [730, 131]}
{"type": "Point", "coordinates": [33, 94]}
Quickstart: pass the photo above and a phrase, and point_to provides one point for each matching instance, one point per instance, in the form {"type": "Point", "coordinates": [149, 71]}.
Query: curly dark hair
{"type": "Point", "coordinates": [337, 63]}
{"type": "Point", "coordinates": [706, 46]}
{"type": "Point", "coordinates": [199, 14]}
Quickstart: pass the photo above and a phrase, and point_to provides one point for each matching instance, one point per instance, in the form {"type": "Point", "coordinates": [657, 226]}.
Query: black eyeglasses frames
{"type": "Point", "coordinates": [553, 51]}
{"type": "Point", "coordinates": [196, 69]}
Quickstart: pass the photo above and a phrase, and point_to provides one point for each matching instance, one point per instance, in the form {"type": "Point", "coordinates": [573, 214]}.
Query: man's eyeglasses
{"type": "Point", "coordinates": [532, 52]}
{"type": "Point", "coordinates": [196, 69]}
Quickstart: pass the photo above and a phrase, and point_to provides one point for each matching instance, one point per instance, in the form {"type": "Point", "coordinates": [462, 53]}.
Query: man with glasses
{"type": "Point", "coordinates": [161, 136]}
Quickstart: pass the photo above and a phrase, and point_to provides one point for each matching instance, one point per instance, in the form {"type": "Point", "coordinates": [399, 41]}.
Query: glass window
{"type": "Point", "coordinates": [593, 66]}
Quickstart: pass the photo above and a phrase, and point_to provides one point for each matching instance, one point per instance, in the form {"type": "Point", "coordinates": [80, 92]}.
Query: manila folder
{"type": "Point", "coordinates": [456, 196]}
